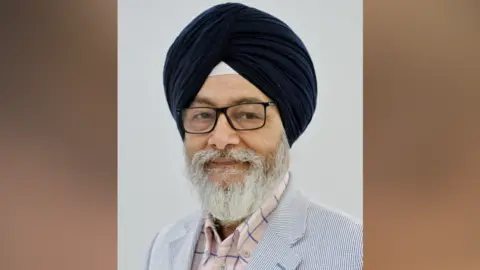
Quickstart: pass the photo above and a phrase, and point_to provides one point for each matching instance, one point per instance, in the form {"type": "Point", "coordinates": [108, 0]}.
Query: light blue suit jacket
{"type": "Point", "coordinates": [301, 235]}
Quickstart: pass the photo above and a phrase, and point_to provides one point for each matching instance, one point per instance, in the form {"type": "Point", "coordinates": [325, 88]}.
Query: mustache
{"type": "Point", "coordinates": [241, 155]}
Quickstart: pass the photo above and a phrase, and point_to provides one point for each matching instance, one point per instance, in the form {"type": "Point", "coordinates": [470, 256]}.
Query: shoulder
{"type": "Point", "coordinates": [333, 237]}
{"type": "Point", "coordinates": [165, 235]}
{"type": "Point", "coordinates": [172, 229]}
{"type": "Point", "coordinates": [334, 223]}
{"type": "Point", "coordinates": [176, 228]}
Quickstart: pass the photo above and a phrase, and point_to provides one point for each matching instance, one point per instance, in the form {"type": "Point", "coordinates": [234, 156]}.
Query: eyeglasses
{"type": "Point", "coordinates": [246, 116]}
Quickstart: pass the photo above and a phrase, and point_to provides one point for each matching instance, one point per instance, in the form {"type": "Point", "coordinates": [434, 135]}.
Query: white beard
{"type": "Point", "coordinates": [239, 199]}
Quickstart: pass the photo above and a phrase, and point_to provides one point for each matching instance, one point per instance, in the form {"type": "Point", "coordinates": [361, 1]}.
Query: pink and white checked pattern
{"type": "Point", "coordinates": [234, 252]}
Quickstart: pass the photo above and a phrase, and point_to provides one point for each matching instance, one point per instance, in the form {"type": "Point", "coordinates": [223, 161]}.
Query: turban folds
{"type": "Point", "coordinates": [257, 45]}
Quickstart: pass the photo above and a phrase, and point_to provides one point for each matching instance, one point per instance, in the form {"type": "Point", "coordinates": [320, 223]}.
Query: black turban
{"type": "Point", "coordinates": [260, 47]}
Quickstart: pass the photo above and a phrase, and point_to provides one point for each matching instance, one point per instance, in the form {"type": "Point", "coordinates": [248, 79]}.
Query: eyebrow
{"type": "Point", "coordinates": [243, 100]}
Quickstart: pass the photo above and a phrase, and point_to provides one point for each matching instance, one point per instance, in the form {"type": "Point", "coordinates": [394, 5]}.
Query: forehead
{"type": "Point", "coordinates": [224, 90]}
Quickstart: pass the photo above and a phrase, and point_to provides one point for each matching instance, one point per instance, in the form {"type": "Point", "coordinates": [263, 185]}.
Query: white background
{"type": "Point", "coordinates": [327, 159]}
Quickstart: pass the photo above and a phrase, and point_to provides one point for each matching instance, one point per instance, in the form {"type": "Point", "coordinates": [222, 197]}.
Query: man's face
{"type": "Point", "coordinates": [234, 170]}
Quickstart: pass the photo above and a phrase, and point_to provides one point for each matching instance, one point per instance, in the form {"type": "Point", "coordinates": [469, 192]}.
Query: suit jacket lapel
{"type": "Point", "coordinates": [286, 226]}
{"type": "Point", "coordinates": [273, 252]}
{"type": "Point", "coordinates": [183, 244]}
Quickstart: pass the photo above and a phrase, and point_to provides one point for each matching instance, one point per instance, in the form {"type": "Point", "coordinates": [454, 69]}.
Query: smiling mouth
{"type": "Point", "coordinates": [224, 162]}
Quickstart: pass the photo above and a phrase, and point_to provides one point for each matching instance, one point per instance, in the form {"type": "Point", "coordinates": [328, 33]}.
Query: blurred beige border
{"type": "Point", "coordinates": [58, 139]}
{"type": "Point", "coordinates": [422, 135]}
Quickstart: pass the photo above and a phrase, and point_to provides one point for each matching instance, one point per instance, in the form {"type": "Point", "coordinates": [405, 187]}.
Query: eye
{"type": "Point", "coordinates": [203, 116]}
{"type": "Point", "coordinates": [248, 116]}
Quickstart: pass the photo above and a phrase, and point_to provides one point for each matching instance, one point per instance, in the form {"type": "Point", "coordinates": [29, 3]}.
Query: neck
{"type": "Point", "coordinates": [225, 229]}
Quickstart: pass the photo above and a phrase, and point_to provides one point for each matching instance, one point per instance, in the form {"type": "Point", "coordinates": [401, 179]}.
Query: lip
{"type": "Point", "coordinates": [224, 161]}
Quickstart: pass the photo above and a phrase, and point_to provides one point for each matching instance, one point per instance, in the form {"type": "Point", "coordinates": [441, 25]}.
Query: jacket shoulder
{"type": "Point", "coordinates": [165, 235]}
{"type": "Point", "coordinates": [333, 218]}
{"type": "Point", "coordinates": [336, 237]}
{"type": "Point", "coordinates": [335, 225]}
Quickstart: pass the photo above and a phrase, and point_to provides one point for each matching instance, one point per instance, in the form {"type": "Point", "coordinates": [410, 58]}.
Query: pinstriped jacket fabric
{"type": "Point", "coordinates": [301, 235]}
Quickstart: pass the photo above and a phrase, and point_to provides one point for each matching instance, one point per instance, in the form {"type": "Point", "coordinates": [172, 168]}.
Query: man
{"type": "Point", "coordinates": [242, 89]}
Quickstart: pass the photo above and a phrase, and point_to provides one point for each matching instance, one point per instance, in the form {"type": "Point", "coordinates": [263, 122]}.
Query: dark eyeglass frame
{"type": "Point", "coordinates": [224, 110]}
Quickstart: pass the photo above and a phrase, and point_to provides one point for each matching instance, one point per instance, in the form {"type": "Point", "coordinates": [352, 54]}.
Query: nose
{"type": "Point", "coordinates": [223, 135]}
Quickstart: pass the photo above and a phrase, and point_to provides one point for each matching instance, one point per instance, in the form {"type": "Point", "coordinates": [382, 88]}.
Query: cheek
{"type": "Point", "coordinates": [194, 143]}
{"type": "Point", "coordinates": [266, 139]}
{"type": "Point", "coordinates": [263, 144]}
